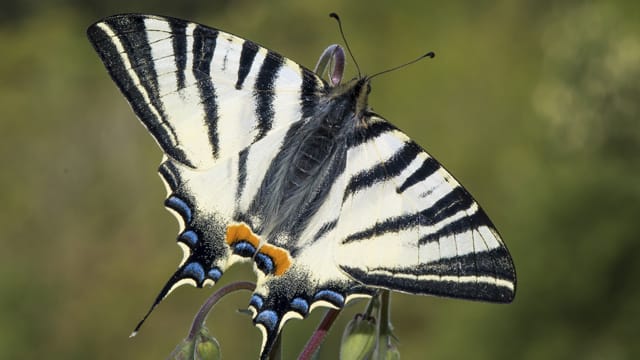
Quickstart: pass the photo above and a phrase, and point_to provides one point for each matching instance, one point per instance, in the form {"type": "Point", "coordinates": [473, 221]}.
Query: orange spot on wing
{"type": "Point", "coordinates": [237, 232]}
{"type": "Point", "coordinates": [280, 257]}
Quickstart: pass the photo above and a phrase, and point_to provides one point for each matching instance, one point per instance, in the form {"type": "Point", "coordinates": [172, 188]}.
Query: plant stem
{"type": "Point", "coordinates": [318, 336]}
{"type": "Point", "coordinates": [371, 311]}
{"type": "Point", "coordinates": [385, 322]}
{"type": "Point", "coordinates": [201, 316]}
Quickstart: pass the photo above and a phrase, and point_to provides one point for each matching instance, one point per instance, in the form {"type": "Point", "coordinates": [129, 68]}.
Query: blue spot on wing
{"type": "Point", "coordinates": [214, 274]}
{"type": "Point", "coordinates": [268, 318]}
{"type": "Point", "coordinates": [189, 237]}
{"type": "Point", "coordinates": [244, 248]}
{"type": "Point", "coordinates": [331, 296]}
{"type": "Point", "coordinates": [256, 301]}
{"type": "Point", "coordinates": [300, 305]}
{"type": "Point", "coordinates": [194, 270]}
{"type": "Point", "coordinates": [180, 207]}
{"type": "Point", "coordinates": [264, 263]}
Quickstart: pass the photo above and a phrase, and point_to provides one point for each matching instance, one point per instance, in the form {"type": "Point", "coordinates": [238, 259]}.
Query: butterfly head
{"type": "Point", "coordinates": [353, 95]}
{"type": "Point", "coordinates": [361, 90]}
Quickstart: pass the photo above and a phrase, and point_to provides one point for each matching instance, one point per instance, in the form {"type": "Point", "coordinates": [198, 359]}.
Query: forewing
{"type": "Point", "coordinates": [407, 225]}
{"type": "Point", "coordinates": [204, 94]}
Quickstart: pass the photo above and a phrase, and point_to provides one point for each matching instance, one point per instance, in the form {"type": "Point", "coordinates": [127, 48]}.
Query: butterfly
{"type": "Point", "coordinates": [266, 162]}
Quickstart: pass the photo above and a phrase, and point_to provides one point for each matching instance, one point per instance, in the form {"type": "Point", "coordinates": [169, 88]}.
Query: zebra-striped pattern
{"type": "Point", "coordinates": [187, 84]}
{"type": "Point", "coordinates": [267, 163]}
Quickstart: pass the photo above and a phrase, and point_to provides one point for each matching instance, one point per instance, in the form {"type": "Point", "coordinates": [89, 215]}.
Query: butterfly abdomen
{"type": "Point", "coordinates": [311, 158]}
{"type": "Point", "coordinates": [313, 155]}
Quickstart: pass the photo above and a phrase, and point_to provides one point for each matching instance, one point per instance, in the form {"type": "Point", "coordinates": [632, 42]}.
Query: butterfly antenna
{"type": "Point", "coordinates": [430, 55]}
{"type": "Point", "coordinates": [344, 38]}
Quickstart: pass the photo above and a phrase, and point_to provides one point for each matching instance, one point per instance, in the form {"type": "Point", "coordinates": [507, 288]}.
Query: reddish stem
{"type": "Point", "coordinates": [318, 336]}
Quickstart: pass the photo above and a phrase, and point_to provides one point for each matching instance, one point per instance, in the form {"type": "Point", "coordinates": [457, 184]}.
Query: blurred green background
{"type": "Point", "coordinates": [533, 105]}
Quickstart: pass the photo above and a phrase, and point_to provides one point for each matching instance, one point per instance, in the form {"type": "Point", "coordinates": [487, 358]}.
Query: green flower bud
{"type": "Point", "coordinates": [201, 347]}
{"type": "Point", "coordinates": [184, 350]}
{"type": "Point", "coordinates": [207, 347]}
{"type": "Point", "coordinates": [359, 339]}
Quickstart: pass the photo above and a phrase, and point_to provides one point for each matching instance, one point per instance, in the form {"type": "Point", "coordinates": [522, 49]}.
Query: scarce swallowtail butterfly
{"type": "Point", "coordinates": [266, 162]}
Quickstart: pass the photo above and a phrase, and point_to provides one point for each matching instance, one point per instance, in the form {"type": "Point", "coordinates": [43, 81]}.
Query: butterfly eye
{"type": "Point", "coordinates": [368, 88]}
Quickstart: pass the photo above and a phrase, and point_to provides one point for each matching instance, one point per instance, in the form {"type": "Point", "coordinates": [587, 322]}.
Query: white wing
{"type": "Point", "coordinates": [423, 233]}
{"type": "Point", "coordinates": [204, 94]}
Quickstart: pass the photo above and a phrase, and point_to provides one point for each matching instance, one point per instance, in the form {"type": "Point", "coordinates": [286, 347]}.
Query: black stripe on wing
{"type": "Point", "coordinates": [179, 41]}
{"type": "Point", "coordinates": [324, 229]}
{"type": "Point", "coordinates": [133, 36]}
{"type": "Point", "coordinates": [372, 130]}
{"type": "Point", "coordinates": [204, 44]}
{"type": "Point", "coordinates": [485, 276]}
{"type": "Point", "coordinates": [264, 92]}
{"type": "Point", "coordinates": [466, 223]}
{"type": "Point", "coordinates": [130, 32]}
{"type": "Point", "coordinates": [384, 170]}
{"type": "Point", "coordinates": [170, 174]}
{"type": "Point", "coordinates": [242, 172]}
{"type": "Point", "coordinates": [310, 93]}
{"type": "Point", "coordinates": [455, 201]}
{"type": "Point", "coordinates": [247, 55]}
{"type": "Point", "coordinates": [428, 167]}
